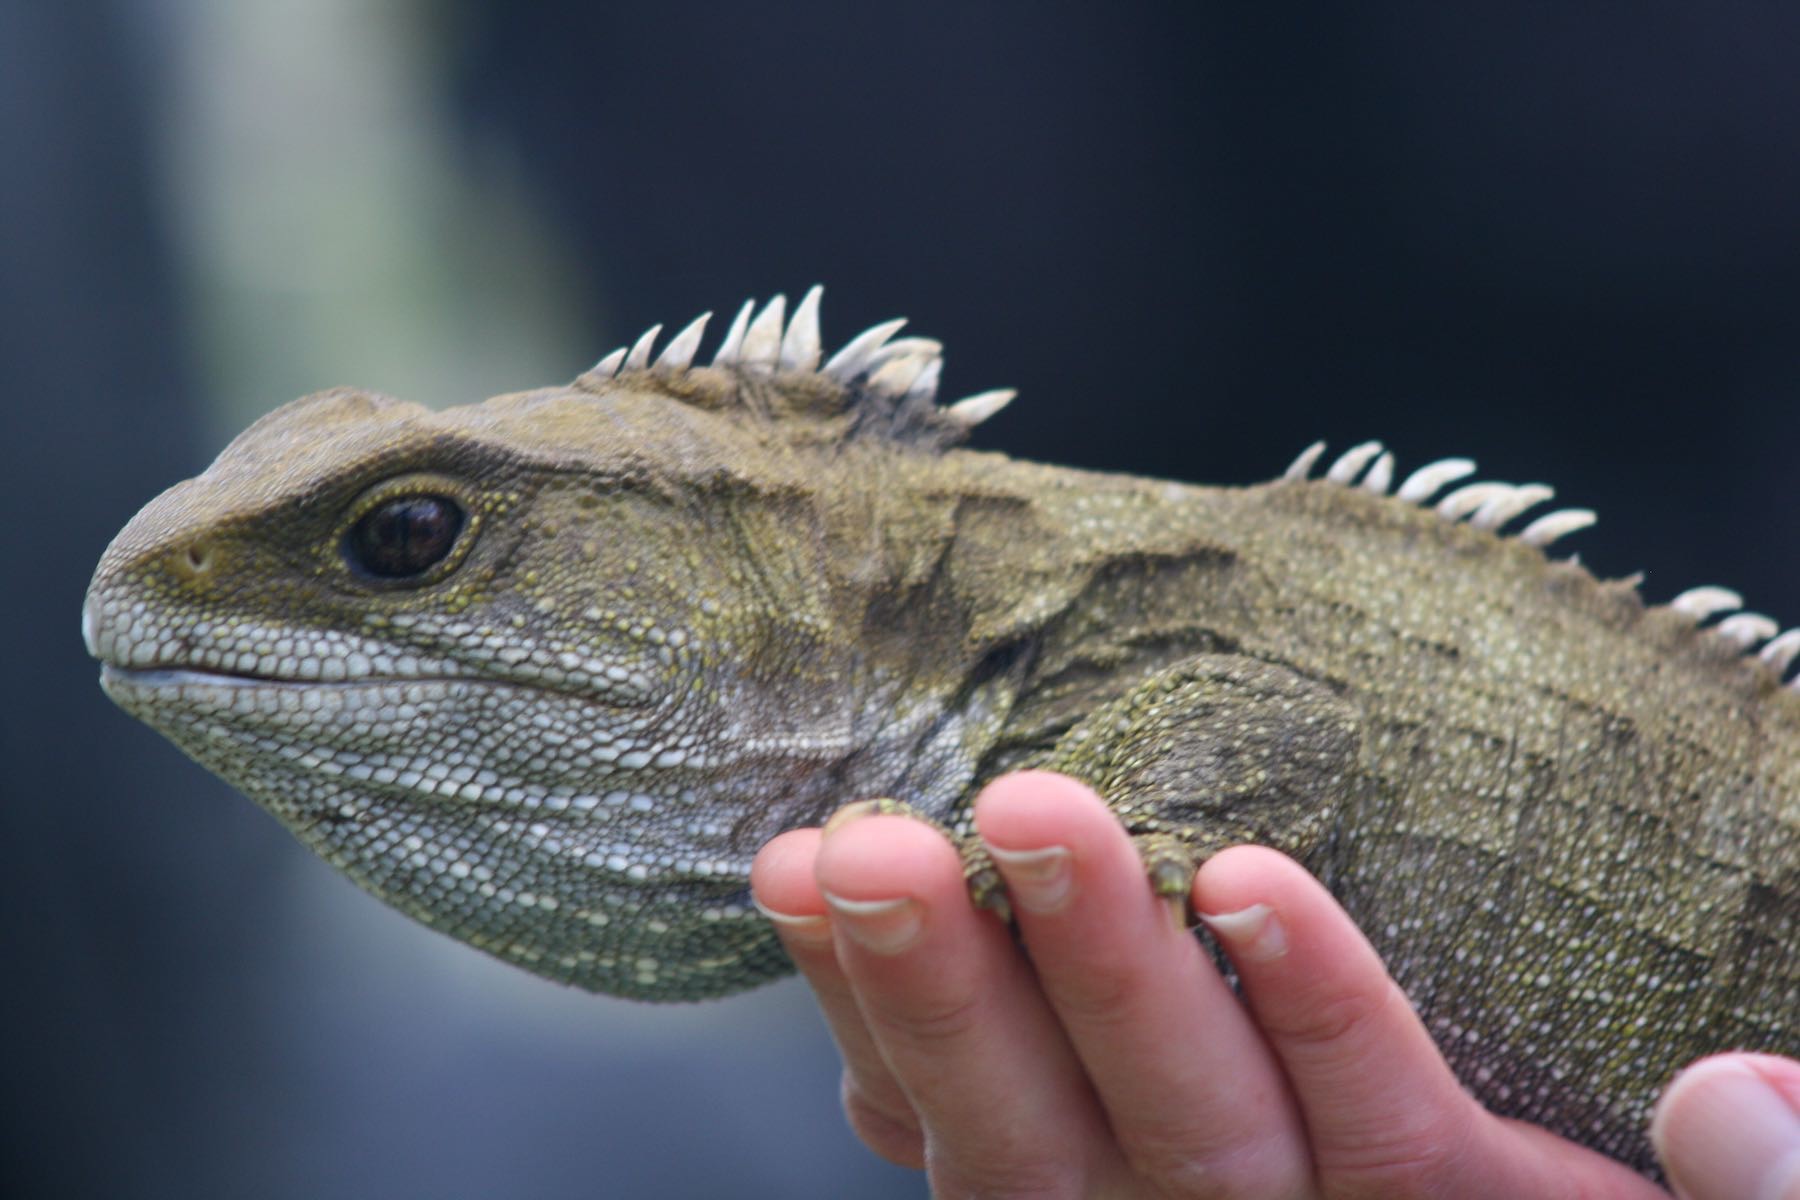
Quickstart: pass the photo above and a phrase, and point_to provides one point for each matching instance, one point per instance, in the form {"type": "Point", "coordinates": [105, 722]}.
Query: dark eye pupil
{"type": "Point", "coordinates": [404, 536]}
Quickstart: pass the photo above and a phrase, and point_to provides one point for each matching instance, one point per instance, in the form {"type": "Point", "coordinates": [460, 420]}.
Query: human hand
{"type": "Point", "coordinates": [1116, 1062]}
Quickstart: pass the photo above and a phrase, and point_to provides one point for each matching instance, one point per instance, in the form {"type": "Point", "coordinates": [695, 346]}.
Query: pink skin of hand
{"type": "Point", "coordinates": [1115, 1061]}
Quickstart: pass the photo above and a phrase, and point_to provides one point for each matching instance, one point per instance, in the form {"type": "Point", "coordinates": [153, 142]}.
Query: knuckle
{"type": "Point", "coordinates": [1002, 1181]}
{"type": "Point", "coordinates": [1103, 992]}
{"type": "Point", "coordinates": [937, 1021]}
{"type": "Point", "coordinates": [1102, 1000]}
{"type": "Point", "coordinates": [1398, 1162]}
{"type": "Point", "coordinates": [1184, 1164]}
{"type": "Point", "coordinates": [1338, 1022]}
{"type": "Point", "coordinates": [887, 1126]}
{"type": "Point", "coordinates": [1395, 1180]}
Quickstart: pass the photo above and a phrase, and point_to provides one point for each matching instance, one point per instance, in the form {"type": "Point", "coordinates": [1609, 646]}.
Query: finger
{"type": "Point", "coordinates": [958, 1017]}
{"type": "Point", "coordinates": [1330, 1012]}
{"type": "Point", "coordinates": [782, 882]}
{"type": "Point", "coordinates": [1188, 1084]}
{"type": "Point", "coordinates": [1385, 1114]}
{"type": "Point", "coordinates": [1730, 1126]}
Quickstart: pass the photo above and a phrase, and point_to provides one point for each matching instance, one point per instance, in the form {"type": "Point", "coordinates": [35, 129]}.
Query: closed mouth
{"type": "Point", "coordinates": [182, 676]}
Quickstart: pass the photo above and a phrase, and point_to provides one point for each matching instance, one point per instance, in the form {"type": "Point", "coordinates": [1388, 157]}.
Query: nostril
{"type": "Point", "coordinates": [192, 560]}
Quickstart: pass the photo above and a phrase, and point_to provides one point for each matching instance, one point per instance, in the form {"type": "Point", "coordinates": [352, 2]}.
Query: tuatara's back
{"type": "Point", "coordinates": [545, 672]}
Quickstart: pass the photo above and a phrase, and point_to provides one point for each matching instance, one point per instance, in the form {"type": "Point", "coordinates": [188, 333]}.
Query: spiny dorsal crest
{"type": "Point", "coordinates": [769, 366]}
{"type": "Point", "coordinates": [1491, 505]}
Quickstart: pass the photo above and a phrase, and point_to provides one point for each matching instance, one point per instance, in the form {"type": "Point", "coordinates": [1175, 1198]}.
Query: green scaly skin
{"type": "Point", "coordinates": [691, 607]}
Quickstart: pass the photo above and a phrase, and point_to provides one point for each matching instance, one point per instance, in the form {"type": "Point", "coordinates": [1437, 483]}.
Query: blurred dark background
{"type": "Point", "coordinates": [1559, 238]}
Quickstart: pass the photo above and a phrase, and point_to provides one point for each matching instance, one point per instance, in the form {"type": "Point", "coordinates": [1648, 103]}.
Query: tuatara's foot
{"type": "Point", "coordinates": [986, 888]}
{"type": "Point", "coordinates": [865, 808]}
{"type": "Point", "coordinates": [1169, 864]}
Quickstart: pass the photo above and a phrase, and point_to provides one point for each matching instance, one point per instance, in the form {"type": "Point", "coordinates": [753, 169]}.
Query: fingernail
{"type": "Point", "coordinates": [882, 926]}
{"type": "Point", "coordinates": [1723, 1130]}
{"type": "Point", "coordinates": [810, 929]}
{"type": "Point", "coordinates": [1039, 880]}
{"type": "Point", "coordinates": [1252, 933]}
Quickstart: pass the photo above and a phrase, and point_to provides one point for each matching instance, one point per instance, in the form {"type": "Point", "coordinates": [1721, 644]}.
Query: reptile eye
{"type": "Point", "coordinates": [403, 537]}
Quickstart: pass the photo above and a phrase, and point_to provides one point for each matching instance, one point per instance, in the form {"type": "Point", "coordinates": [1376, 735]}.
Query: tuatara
{"type": "Point", "coordinates": [545, 671]}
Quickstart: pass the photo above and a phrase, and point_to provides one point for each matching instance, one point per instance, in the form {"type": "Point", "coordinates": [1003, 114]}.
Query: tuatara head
{"type": "Point", "coordinates": [544, 671]}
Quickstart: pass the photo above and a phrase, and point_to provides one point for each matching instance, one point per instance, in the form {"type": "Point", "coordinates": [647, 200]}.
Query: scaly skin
{"type": "Point", "coordinates": [689, 608]}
